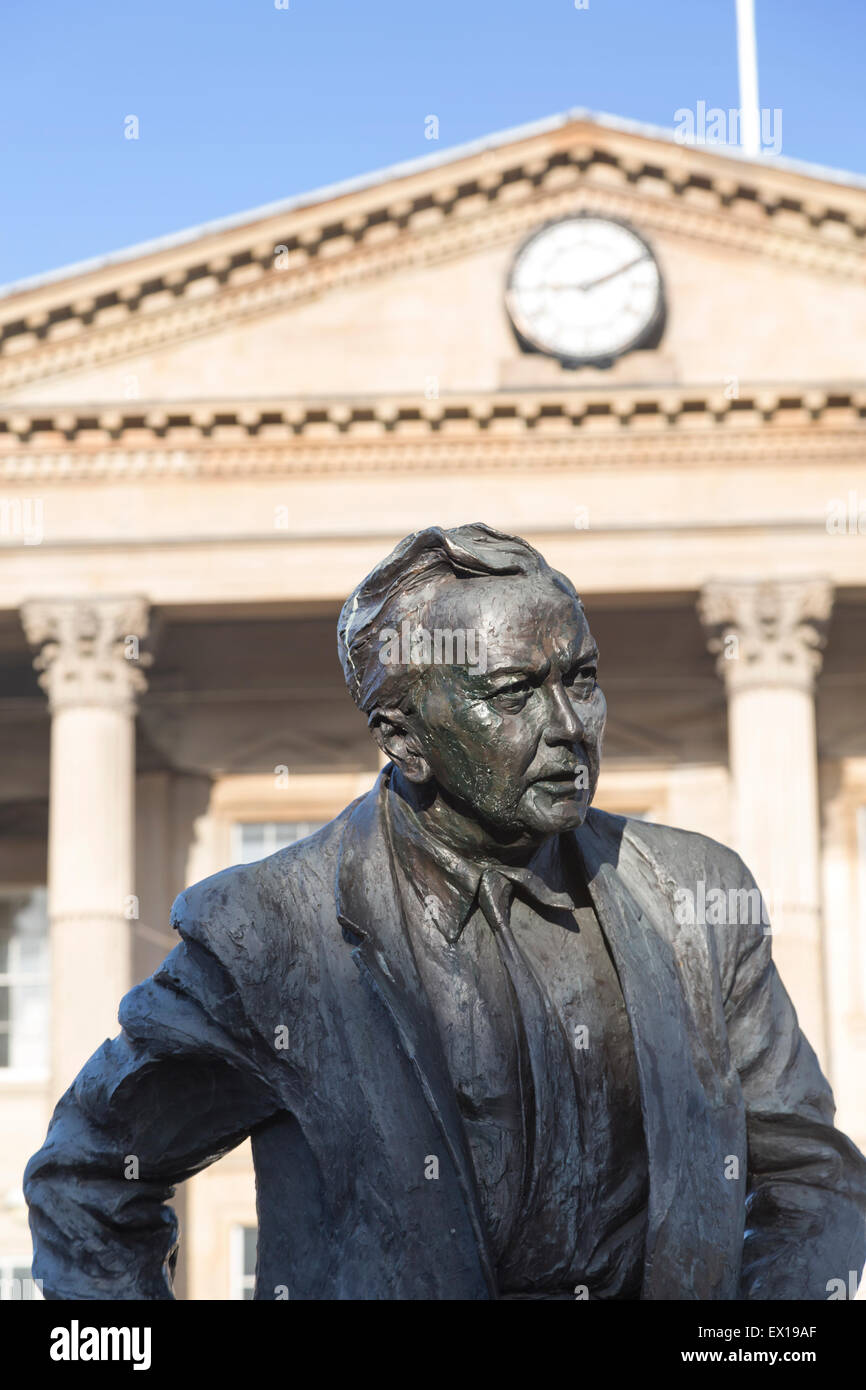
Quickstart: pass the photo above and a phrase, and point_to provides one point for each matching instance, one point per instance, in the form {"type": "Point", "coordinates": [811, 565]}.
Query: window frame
{"type": "Point", "coordinates": [9, 978]}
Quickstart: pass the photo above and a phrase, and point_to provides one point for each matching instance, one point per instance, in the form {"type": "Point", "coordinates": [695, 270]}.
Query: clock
{"type": "Point", "coordinates": [585, 289]}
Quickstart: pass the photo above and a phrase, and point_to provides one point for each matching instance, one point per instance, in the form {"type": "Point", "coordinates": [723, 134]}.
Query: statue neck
{"type": "Point", "coordinates": [455, 826]}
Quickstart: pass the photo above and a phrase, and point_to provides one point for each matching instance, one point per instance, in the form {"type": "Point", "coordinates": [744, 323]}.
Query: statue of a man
{"type": "Point", "coordinates": [481, 1050]}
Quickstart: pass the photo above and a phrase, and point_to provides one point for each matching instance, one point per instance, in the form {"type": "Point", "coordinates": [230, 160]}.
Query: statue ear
{"type": "Point", "coordinates": [399, 742]}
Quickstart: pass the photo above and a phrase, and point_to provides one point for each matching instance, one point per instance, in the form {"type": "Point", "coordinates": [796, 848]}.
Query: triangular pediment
{"type": "Point", "coordinates": [394, 284]}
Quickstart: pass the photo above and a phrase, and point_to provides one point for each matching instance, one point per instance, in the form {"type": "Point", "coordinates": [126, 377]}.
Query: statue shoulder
{"type": "Point", "coordinates": [248, 912]}
{"type": "Point", "coordinates": [688, 852]}
{"type": "Point", "coordinates": [680, 852]}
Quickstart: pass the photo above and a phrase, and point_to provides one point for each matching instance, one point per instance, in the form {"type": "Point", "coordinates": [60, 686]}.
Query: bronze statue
{"type": "Point", "coordinates": [480, 1050]}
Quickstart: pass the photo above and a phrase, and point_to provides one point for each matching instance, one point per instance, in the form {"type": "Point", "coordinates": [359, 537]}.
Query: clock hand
{"type": "Point", "coordinates": [591, 284]}
{"type": "Point", "coordinates": [612, 274]}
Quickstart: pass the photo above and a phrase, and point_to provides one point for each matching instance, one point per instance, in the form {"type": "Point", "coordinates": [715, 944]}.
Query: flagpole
{"type": "Point", "coordinates": [747, 62]}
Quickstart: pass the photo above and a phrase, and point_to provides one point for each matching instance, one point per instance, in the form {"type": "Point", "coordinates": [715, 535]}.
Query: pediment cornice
{"type": "Point", "coordinates": [602, 427]}
{"type": "Point", "coordinates": [454, 209]}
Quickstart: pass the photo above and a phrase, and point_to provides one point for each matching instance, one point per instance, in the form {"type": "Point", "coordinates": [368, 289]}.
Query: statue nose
{"type": "Point", "coordinates": [564, 721]}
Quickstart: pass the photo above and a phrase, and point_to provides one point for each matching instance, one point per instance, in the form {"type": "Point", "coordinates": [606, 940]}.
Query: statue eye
{"type": "Point", "coordinates": [583, 679]}
{"type": "Point", "coordinates": [512, 697]}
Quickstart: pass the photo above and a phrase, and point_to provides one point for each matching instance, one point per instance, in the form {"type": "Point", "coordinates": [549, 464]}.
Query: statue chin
{"type": "Point", "coordinates": [541, 819]}
{"type": "Point", "coordinates": [559, 810]}
{"type": "Point", "coordinates": [564, 818]}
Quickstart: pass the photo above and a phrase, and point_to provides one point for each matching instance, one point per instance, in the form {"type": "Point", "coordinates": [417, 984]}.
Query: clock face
{"type": "Point", "coordinates": [585, 289]}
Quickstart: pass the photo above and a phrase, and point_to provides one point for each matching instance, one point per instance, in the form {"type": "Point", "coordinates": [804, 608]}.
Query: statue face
{"type": "Point", "coordinates": [516, 737]}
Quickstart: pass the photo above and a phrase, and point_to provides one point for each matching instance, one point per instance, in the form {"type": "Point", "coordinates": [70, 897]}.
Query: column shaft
{"type": "Point", "coordinates": [768, 637]}
{"type": "Point", "coordinates": [774, 768]}
{"type": "Point", "coordinates": [91, 670]}
{"type": "Point", "coordinates": [90, 875]}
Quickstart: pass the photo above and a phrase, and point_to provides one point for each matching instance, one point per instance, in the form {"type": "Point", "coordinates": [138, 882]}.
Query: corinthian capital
{"type": "Point", "coordinates": [89, 649]}
{"type": "Point", "coordinates": [767, 632]}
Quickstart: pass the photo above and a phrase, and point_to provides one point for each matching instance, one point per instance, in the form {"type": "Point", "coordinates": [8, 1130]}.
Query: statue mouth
{"type": "Point", "coordinates": [558, 783]}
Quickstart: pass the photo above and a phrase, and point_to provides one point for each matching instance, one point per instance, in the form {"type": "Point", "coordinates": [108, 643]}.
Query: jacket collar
{"type": "Point", "coordinates": [447, 883]}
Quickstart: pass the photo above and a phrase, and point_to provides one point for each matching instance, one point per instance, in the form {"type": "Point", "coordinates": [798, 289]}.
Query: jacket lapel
{"type": "Point", "coordinates": [368, 908]}
{"type": "Point", "coordinates": [692, 1208]}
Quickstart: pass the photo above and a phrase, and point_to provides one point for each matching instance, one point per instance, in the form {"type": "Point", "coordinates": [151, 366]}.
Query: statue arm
{"type": "Point", "coordinates": [806, 1196]}
{"type": "Point", "coordinates": [183, 1083]}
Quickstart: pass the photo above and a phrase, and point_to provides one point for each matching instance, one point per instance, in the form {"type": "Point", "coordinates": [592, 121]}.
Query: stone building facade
{"type": "Point", "coordinates": [206, 441]}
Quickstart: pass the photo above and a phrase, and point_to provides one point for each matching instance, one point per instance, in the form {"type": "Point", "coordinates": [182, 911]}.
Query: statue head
{"type": "Point", "coordinates": [474, 664]}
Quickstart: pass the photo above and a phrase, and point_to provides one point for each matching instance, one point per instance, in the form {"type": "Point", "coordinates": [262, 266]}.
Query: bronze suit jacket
{"type": "Point", "coordinates": [292, 1011]}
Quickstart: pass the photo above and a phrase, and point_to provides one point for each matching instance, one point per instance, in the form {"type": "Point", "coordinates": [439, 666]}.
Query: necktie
{"type": "Point", "coordinates": [544, 1058]}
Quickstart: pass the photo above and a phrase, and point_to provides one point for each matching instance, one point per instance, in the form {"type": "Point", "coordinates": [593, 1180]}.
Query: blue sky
{"type": "Point", "coordinates": [240, 103]}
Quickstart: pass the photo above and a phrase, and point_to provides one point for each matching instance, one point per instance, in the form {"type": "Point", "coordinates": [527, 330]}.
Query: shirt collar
{"type": "Point", "coordinates": [447, 883]}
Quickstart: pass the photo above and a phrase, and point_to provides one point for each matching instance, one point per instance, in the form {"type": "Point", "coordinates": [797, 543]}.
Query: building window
{"type": "Point", "coordinates": [242, 1262]}
{"type": "Point", "coordinates": [252, 840]}
{"type": "Point", "coordinates": [24, 980]}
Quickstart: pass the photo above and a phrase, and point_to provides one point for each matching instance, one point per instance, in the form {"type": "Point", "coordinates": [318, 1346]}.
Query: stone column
{"type": "Point", "coordinates": [768, 638]}
{"type": "Point", "coordinates": [91, 670]}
